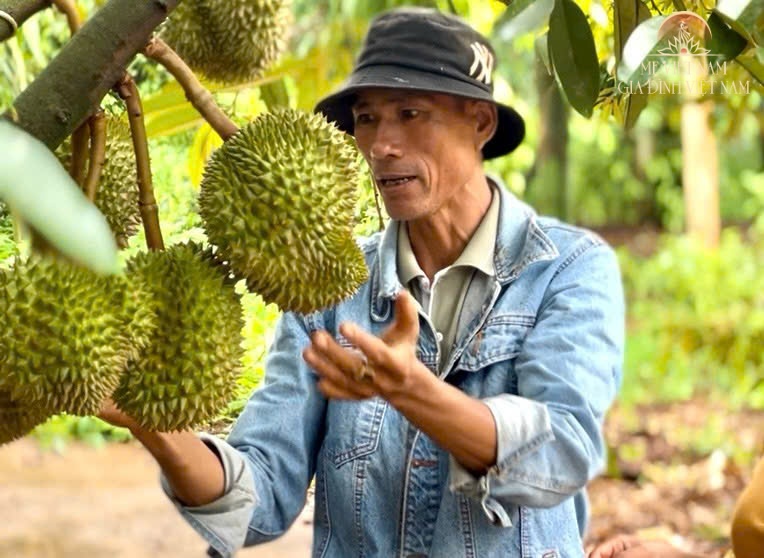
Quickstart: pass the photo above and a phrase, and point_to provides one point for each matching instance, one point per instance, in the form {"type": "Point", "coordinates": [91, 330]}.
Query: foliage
{"type": "Point", "coordinates": [696, 321]}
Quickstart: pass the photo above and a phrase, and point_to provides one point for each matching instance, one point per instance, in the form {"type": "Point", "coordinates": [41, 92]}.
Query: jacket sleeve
{"type": "Point", "coordinates": [270, 456]}
{"type": "Point", "coordinates": [549, 435]}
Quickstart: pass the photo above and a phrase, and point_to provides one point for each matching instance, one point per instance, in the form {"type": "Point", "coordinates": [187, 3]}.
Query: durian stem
{"type": "Point", "coordinates": [149, 212]}
{"type": "Point", "coordinates": [19, 11]}
{"type": "Point", "coordinates": [68, 8]}
{"type": "Point", "coordinates": [97, 124]}
{"type": "Point", "coordinates": [78, 164]}
{"type": "Point", "coordinates": [201, 99]}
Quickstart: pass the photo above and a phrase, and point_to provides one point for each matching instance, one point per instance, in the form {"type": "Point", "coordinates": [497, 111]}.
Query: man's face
{"type": "Point", "coordinates": [423, 148]}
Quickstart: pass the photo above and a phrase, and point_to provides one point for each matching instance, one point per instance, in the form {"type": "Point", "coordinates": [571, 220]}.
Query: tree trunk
{"type": "Point", "coordinates": [71, 87]}
{"type": "Point", "coordinates": [700, 174]}
{"type": "Point", "coordinates": [700, 158]}
{"type": "Point", "coordinates": [547, 187]}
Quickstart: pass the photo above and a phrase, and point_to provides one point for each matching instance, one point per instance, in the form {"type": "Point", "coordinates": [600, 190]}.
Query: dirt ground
{"type": "Point", "coordinates": [93, 503]}
{"type": "Point", "coordinates": [679, 471]}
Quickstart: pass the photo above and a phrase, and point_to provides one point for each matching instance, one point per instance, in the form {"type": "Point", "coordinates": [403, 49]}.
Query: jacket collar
{"type": "Point", "coordinates": [520, 242]}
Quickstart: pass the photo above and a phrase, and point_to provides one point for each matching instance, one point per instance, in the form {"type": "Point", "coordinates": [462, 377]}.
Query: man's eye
{"type": "Point", "coordinates": [410, 113]}
{"type": "Point", "coordinates": [362, 118]}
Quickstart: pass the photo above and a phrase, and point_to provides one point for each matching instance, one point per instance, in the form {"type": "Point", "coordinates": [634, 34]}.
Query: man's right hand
{"type": "Point", "coordinates": [110, 413]}
{"type": "Point", "coordinates": [193, 470]}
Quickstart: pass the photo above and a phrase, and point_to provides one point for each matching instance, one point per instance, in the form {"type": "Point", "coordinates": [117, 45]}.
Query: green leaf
{"type": "Point", "coordinates": [753, 66]}
{"type": "Point", "coordinates": [724, 40]}
{"type": "Point", "coordinates": [641, 44]}
{"type": "Point", "coordinates": [37, 189]}
{"type": "Point", "coordinates": [171, 121]}
{"type": "Point", "coordinates": [628, 14]}
{"type": "Point", "coordinates": [205, 142]}
{"type": "Point", "coordinates": [275, 94]}
{"type": "Point", "coordinates": [744, 16]}
{"type": "Point", "coordinates": [574, 55]}
{"type": "Point", "coordinates": [523, 16]}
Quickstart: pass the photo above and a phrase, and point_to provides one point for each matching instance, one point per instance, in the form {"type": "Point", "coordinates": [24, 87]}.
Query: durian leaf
{"type": "Point", "coordinates": [205, 142]}
{"type": "Point", "coordinates": [168, 111]}
{"type": "Point", "coordinates": [574, 55]}
{"type": "Point", "coordinates": [641, 44]}
{"type": "Point", "coordinates": [39, 191]}
{"type": "Point", "coordinates": [521, 17]}
{"type": "Point", "coordinates": [171, 121]}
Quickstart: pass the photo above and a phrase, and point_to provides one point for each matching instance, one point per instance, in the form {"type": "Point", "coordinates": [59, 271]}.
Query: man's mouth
{"type": "Point", "coordinates": [386, 182]}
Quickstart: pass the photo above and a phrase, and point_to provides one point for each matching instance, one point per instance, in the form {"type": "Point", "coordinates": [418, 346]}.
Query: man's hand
{"type": "Point", "coordinates": [633, 547]}
{"type": "Point", "coordinates": [379, 366]}
{"type": "Point", "coordinates": [111, 414]}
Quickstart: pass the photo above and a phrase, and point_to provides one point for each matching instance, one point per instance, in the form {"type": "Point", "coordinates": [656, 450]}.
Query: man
{"type": "Point", "coordinates": [453, 406]}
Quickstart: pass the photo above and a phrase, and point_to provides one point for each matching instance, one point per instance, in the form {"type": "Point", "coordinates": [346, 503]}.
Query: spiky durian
{"type": "Point", "coordinates": [17, 420]}
{"type": "Point", "coordinates": [117, 195]}
{"type": "Point", "coordinates": [188, 372]}
{"type": "Point", "coordinates": [67, 335]}
{"type": "Point", "coordinates": [229, 40]}
{"type": "Point", "coordinates": [278, 199]}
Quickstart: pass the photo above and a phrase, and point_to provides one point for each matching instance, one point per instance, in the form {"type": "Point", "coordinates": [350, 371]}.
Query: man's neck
{"type": "Point", "coordinates": [439, 240]}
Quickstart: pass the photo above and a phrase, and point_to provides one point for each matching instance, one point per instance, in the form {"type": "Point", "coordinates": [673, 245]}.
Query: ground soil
{"type": "Point", "coordinates": [92, 503]}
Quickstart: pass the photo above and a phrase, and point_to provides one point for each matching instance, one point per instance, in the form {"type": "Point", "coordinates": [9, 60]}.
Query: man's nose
{"type": "Point", "coordinates": [386, 142]}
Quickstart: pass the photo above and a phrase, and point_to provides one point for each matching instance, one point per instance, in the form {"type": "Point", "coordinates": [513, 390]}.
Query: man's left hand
{"type": "Point", "coordinates": [377, 365]}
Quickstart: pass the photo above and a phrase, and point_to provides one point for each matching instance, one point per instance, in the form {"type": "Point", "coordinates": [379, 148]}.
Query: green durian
{"type": "Point", "coordinates": [278, 199]}
{"type": "Point", "coordinates": [17, 420]}
{"type": "Point", "coordinates": [229, 40]}
{"type": "Point", "coordinates": [117, 195]}
{"type": "Point", "coordinates": [188, 372]}
{"type": "Point", "coordinates": [67, 335]}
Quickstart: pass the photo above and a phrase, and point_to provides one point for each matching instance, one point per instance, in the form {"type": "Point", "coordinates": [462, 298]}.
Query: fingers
{"type": "Point", "coordinates": [375, 349]}
{"type": "Point", "coordinates": [339, 368]}
{"type": "Point", "coordinates": [405, 326]}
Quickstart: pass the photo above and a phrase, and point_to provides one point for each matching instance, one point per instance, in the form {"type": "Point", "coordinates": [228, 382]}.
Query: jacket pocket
{"type": "Point", "coordinates": [353, 429]}
{"type": "Point", "coordinates": [501, 338]}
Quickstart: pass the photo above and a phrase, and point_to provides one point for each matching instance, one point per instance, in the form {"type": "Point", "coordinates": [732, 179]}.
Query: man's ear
{"type": "Point", "coordinates": [486, 121]}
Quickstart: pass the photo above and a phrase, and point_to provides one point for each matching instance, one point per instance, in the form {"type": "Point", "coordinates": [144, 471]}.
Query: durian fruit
{"type": "Point", "coordinates": [188, 373]}
{"type": "Point", "coordinates": [117, 195]}
{"type": "Point", "coordinates": [17, 420]}
{"type": "Point", "coordinates": [67, 335]}
{"type": "Point", "coordinates": [229, 41]}
{"type": "Point", "coordinates": [278, 200]}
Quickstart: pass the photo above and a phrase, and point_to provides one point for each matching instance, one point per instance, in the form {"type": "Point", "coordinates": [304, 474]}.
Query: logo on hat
{"type": "Point", "coordinates": [482, 64]}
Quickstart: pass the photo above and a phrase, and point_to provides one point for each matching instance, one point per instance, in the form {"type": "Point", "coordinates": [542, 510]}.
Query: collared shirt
{"type": "Point", "coordinates": [443, 301]}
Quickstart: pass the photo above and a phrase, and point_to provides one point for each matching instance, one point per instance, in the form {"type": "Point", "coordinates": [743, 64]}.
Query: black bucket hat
{"type": "Point", "coordinates": [425, 50]}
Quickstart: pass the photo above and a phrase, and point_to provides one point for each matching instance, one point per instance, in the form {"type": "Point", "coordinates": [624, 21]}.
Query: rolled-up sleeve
{"type": "Point", "coordinates": [224, 522]}
{"type": "Point", "coordinates": [549, 435]}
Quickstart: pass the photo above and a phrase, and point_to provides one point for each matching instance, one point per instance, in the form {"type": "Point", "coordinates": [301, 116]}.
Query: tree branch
{"type": "Point", "coordinates": [18, 11]}
{"type": "Point", "coordinates": [64, 95]}
{"type": "Point", "coordinates": [148, 205]}
{"type": "Point", "coordinates": [68, 8]}
{"type": "Point", "coordinates": [78, 164]}
{"type": "Point", "coordinates": [201, 99]}
{"type": "Point", "coordinates": [97, 124]}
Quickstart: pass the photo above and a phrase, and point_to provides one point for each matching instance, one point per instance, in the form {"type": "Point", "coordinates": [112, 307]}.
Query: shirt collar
{"type": "Point", "coordinates": [478, 252]}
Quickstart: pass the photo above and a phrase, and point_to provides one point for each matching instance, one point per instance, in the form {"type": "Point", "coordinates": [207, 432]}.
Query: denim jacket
{"type": "Point", "coordinates": [544, 352]}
